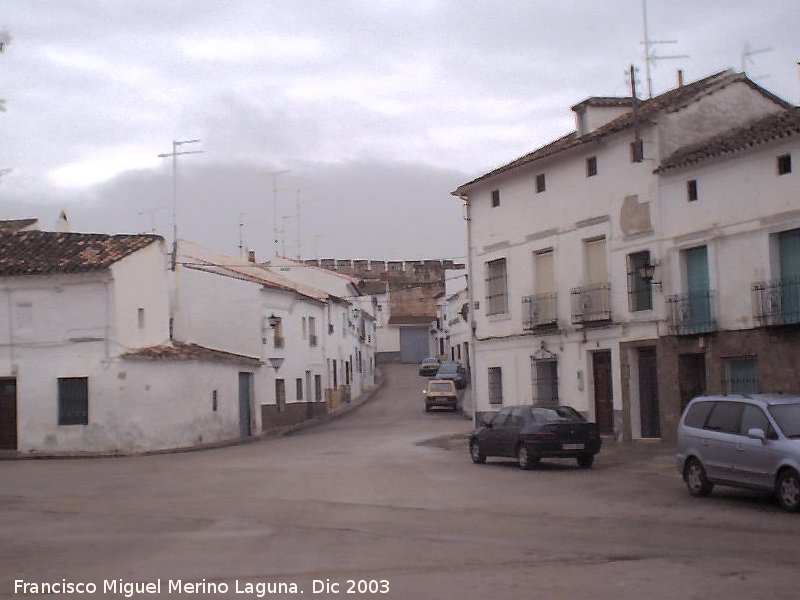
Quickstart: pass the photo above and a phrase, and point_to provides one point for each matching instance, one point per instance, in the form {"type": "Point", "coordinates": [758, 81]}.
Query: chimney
{"type": "Point", "coordinates": [680, 78]}
{"type": "Point", "coordinates": [251, 256]}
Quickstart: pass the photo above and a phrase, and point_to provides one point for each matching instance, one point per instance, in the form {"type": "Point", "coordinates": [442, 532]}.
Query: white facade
{"type": "Point", "coordinates": [554, 315]}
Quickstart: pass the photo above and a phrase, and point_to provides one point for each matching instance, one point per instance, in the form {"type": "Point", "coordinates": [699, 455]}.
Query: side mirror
{"type": "Point", "coordinates": [757, 433]}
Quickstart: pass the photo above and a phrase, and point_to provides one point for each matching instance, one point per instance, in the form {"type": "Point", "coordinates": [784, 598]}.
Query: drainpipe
{"type": "Point", "coordinates": [471, 300]}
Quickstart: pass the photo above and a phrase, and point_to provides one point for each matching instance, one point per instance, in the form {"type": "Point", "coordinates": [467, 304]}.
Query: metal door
{"type": "Point", "coordinates": [603, 392]}
{"type": "Point", "coordinates": [245, 380]}
{"type": "Point", "coordinates": [8, 414]}
{"type": "Point", "coordinates": [648, 393]}
{"type": "Point", "coordinates": [697, 281]}
{"type": "Point", "coordinates": [414, 344]}
{"type": "Point", "coordinates": [789, 249]}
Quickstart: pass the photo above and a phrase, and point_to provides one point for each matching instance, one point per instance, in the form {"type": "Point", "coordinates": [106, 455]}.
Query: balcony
{"type": "Point", "coordinates": [539, 312]}
{"type": "Point", "coordinates": [776, 302]}
{"type": "Point", "coordinates": [689, 314]}
{"type": "Point", "coordinates": [591, 305]}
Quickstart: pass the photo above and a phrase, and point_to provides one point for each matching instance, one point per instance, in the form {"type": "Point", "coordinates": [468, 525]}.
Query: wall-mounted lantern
{"type": "Point", "coordinates": [273, 321]}
{"type": "Point", "coordinates": [647, 271]}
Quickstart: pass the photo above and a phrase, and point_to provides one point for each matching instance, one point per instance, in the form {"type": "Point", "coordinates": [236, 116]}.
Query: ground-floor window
{"type": "Point", "coordinates": [740, 375]}
{"type": "Point", "coordinates": [318, 387]}
{"type": "Point", "coordinates": [73, 400]}
{"type": "Point", "coordinates": [495, 385]}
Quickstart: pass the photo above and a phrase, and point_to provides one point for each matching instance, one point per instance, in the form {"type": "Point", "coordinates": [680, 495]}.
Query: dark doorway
{"type": "Point", "coordinates": [603, 392]}
{"type": "Point", "coordinates": [648, 393]}
{"type": "Point", "coordinates": [280, 394]}
{"type": "Point", "coordinates": [8, 414]}
{"type": "Point", "coordinates": [691, 377]}
{"type": "Point", "coordinates": [245, 385]}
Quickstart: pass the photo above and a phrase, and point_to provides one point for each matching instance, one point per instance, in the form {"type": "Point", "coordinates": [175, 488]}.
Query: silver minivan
{"type": "Point", "coordinates": [748, 441]}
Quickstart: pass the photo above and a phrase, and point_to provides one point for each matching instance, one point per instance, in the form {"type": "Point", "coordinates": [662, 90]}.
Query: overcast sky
{"type": "Point", "coordinates": [378, 108]}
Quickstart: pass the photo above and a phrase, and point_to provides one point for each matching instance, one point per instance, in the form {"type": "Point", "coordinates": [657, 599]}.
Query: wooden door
{"type": "Point", "coordinates": [603, 392]}
{"type": "Point", "coordinates": [8, 414]}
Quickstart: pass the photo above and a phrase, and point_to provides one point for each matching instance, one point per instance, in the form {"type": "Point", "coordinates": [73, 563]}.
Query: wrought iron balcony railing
{"type": "Point", "coordinates": [691, 313]}
{"type": "Point", "coordinates": [539, 311]}
{"type": "Point", "coordinates": [591, 304]}
{"type": "Point", "coordinates": [776, 302]}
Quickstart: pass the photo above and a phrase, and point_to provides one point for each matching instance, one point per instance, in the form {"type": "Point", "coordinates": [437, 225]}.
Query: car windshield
{"type": "Point", "coordinates": [441, 387]}
{"type": "Point", "coordinates": [430, 361]}
{"type": "Point", "coordinates": [448, 368]}
{"type": "Point", "coordinates": [555, 414]}
{"type": "Point", "coordinates": [788, 418]}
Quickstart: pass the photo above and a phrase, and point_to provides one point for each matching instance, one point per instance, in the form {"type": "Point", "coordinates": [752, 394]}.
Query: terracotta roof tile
{"type": "Point", "coordinates": [670, 101]}
{"type": "Point", "coordinates": [49, 252]}
{"type": "Point", "coordinates": [184, 351]}
{"type": "Point", "coordinates": [762, 131]}
{"type": "Point", "coordinates": [17, 224]}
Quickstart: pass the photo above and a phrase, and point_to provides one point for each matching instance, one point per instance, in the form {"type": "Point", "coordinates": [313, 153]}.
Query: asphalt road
{"type": "Point", "coordinates": [388, 498]}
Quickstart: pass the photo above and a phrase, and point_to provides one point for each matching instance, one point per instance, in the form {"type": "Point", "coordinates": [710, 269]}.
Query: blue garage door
{"type": "Point", "coordinates": [414, 344]}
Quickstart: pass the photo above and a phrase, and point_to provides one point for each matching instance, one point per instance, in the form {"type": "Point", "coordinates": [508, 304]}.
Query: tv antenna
{"type": "Point", "coordinates": [650, 55]}
{"type": "Point", "coordinates": [241, 235]}
{"type": "Point", "coordinates": [747, 54]}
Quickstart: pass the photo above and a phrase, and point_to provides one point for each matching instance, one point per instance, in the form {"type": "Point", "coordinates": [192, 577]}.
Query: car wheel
{"type": "Point", "coordinates": [788, 490]}
{"type": "Point", "coordinates": [696, 480]}
{"type": "Point", "coordinates": [525, 459]}
{"type": "Point", "coordinates": [585, 461]}
{"type": "Point", "coordinates": [475, 452]}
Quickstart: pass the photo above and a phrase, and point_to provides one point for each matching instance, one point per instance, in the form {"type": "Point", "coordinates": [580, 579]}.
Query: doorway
{"type": "Point", "coordinates": [648, 393]}
{"type": "Point", "coordinates": [691, 377]}
{"type": "Point", "coordinates": [8, 414]}
{"type": "Point", "coordinates": [603, 392]}
{"type": "Point", "coordinates": [245, 387]}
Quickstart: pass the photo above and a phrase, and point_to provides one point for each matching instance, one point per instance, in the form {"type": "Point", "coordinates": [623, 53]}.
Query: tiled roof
{"type": "Point", "coordinates": [50, 252]}
{"type": "Point", "coordinates": [17, 224]}
{"type": "Point", "coordinates": [670, 101]}
{"type": "Point", "coordinates": [605, 101]}
{"type": "Point", "coordinates": [411, 320]}
{"type": "Point", "coordinates": [184, 351]}
{"type": "Point", "coordinates": [762, 131]}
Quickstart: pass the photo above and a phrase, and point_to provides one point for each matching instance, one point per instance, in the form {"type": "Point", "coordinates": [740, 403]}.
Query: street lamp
{"type": "Point", "coordinates": [174, 154]}
{"type": "Point", "coordinates": [274, 175]}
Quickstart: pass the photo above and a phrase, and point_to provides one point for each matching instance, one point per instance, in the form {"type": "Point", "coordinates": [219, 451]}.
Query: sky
{"type": "Point", "coordinates": [377, 109]}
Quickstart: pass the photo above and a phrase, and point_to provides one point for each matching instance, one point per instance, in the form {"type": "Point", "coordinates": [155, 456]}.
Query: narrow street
{"type": "Point", "coordinates": [370, 497]}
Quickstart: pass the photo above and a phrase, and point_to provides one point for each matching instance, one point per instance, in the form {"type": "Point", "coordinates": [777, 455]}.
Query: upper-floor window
{"type": "Point", "coordinates": [637, 151]}
{"type": "Point", "coordinates": [595, 254]}
{"type": "Point", "coordinates": [640, 291]}
{"type": "Point", "coordinates": [591, 166]}
{"type": "Point", "coordinates": [691, 190]}
{"type": "Point", "coordinates": [784, 164]}
{"type": "Point", "coordinates": [303, 327]}
{"type": "Point", "coordinates": [312, 331]}
{"type": "Point", "coordinates": [495, 198]}
{"type": "Point", "coordinates": [540, 183]}
{"type": "Point", "coordinates": [496, 287]}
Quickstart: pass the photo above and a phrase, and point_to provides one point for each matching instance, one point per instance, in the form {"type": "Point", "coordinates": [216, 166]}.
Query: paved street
{"type": "Point", "coordinates": [366, 497]}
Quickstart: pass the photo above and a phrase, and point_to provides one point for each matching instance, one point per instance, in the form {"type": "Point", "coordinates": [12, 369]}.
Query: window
{"type": "Point", "coordinates": [280, 394]}
{"type": "Point", "coordinates": [698, 414]}
{"type": "Point", "coordinates": [73, 400]}
{"type": "Point", "coordinates": [691, 190]}
{"type": "Point", "coordinates": [725, 417]}
{"type": "Point", "coordinates": [740, 375]}
{"type": "Point", "coordinates": [303, 327]}
{"type": "Point", "coordinates": [595, 253]}
{"type": "Point", "coordinates": [540, 184]}
{"type": "Point", "coordinates": [754, 418]}
{"type": "Point", "coordinates": [312, 331]}
{"type": "Point", "coordinates": [784, 164]}
{"type": "Point", "coordinates": [299, 386]}
{"type": "Point", "coordinates": [495, 385]}
{"type": "Point", "coordinates": [277, 333]}
{"type": "Point", "coordinates": [496, 296]}
{"type": "Point", "coordinates": [640, 291]}
{"type": "Point", "coordinates": [591, 166]}
{"type": "Point", "coordinates": [637, 151]}
{"type": "Point", "coordinates": [495, 198]}
{"type": "Point", "coordinates": [318, 388]}
{"type": "Point", "coordinates": [214, 398]}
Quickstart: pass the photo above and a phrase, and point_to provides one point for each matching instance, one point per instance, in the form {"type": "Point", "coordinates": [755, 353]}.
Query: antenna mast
{"type": "Point", "coordinates": [650, 55]}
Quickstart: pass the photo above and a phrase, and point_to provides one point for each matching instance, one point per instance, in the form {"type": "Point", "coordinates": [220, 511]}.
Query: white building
{"type": "Point", "coordinates": [557, 237]}
{"type": "Point", "coordinates": [81, 308]}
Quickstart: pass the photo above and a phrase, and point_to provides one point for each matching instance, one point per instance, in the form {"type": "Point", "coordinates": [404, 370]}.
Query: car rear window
{"type": "Point", "coordinates": [788, 418]}
{"type": "Point", "coordinates": [441, 387]}
{"type": "Point", "coordinates": [448, 368]}
{"type": "Point", "coordinates": [697, 415]}
{"type": "Point", "coordinates": [543, 414]}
